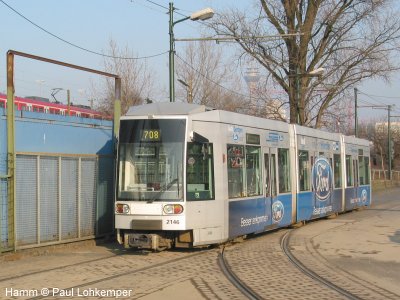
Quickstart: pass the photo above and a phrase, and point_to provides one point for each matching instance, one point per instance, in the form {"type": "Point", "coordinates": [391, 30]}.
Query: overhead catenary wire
{"type": "Point", "coordinates": [212, 81]}
{"type": "Point", "coordinates": [377, 103]}
{"type": "Point", "coordinates": [167, 8]}
{"type": "Point", "coordinates": [157, 4]}
{"type": "Point", "coordinates": [380, 96]}
{"type": "Point", "coordinates": [148, 6]}
{"type": "Point", "coordinates": [372, 97]}
{"type": "Point", "coordinates": [75, 45]}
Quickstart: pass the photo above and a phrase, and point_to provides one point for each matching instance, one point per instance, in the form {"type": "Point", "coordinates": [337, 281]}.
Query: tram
{"type": "Point", "coordinates": [190, 176]}
{"type": "Point", "coordinates": [47, 107]}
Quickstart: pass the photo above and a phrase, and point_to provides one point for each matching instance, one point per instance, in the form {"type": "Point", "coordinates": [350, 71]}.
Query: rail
{"type": "Point", "coordinates": [287, 250]}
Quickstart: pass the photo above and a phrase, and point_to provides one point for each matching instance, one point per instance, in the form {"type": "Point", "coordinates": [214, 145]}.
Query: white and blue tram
{"type": "Point", "coordinates": [191, 176]}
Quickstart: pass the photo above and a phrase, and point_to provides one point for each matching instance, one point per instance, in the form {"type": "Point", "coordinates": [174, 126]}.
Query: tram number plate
{"type": "Point", "coordinates": [172, 222]}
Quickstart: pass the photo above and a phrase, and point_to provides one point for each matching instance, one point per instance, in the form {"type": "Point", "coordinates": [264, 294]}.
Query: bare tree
{"type": "Point", "coordinates": [352, 39]}
{"type": "Point", "coordinates": [206, 79]}
{"type": "Point", "coordinates": [136, 80]}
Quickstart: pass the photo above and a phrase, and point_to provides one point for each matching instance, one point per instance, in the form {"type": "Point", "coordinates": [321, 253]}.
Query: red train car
{"type": "Point", "coordinates": [52, 108]}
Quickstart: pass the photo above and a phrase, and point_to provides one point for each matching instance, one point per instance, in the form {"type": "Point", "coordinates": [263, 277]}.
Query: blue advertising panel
{"type": "Point", "coordinates": [249, 215]}
{"type": "Point", "coordinates": [255, 215]}
{"type": "Point", "coordinates": [282, 210]}
{"type": "Point", "coordinates": [324, 199]}
{"type": "Point", "coordinates": [357, 196]}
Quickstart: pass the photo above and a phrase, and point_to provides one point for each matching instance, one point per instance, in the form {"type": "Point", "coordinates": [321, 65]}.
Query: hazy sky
{"type": "Point", "coordinates": [141, 25]}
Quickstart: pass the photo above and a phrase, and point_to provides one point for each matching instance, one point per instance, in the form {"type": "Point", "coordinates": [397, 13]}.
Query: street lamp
{"type": "Point", "coordinates": [201, 15]}
{"type": "Point", "coordinates": [188, 89]}
{"type": "Point", "coordinates": [314, 73]}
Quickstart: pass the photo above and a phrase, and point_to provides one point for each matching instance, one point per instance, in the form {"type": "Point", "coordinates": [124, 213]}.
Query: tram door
{"type": "Point", "coordinates": [355, 172]}
{"type": "Point", "coordinates": [356, 180]}
{"type": "Point", "coordinates": [351, 181]}
{"type": "Point", "coordinates": [271, 182]}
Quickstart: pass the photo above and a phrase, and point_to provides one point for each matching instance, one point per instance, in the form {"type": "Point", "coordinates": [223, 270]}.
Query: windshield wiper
{"type": "Point", "coordinates": [164, 189]}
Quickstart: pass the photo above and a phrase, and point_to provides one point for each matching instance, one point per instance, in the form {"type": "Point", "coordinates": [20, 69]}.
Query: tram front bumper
{"type": "Point", "coordinates": [146, 241]}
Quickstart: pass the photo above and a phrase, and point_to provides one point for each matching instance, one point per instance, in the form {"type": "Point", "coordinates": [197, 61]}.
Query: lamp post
{"type": "Point", "coordinates": [202, 15]}
{"type": "Point", "coordinates": [355, 113]}
{"type": "Point", "coordinates": [314, 73]}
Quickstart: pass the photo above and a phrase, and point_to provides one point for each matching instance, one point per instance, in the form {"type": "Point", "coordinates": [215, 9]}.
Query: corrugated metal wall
{"type": "Point", "coordinates": [3, 203]}
{"type": "Point", "coordinates": [57, 198]}
{"type": "Point", "coordinates": [64, 180]}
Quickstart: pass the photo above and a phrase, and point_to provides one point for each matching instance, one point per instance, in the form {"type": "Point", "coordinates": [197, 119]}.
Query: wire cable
{"type": "Point", "coordinates": [167, 8]}
{"type": "Point", "coordinates": [212, 81]}
{"type": "Point", "coordinates": [157, 4]}
{"type": "Point", "coordinates": [379, 96]}
{"type": "Point", "coordinates": [77, 46]}
{"type": "Point", "coordinates": [372, 97]}
{"type": "Point", "coordinates": [148, 6]}
{"type": "Point", "coordinates": [377, 102]}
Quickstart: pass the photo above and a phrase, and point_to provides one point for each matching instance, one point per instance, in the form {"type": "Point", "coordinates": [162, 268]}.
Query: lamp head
{"type": "Point", "coordinates": [202, 15]}
{"type": "Point", "coordinates": [317, 72]}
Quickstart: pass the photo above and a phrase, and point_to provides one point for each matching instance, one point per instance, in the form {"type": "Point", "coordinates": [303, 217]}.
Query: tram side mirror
{"type": "Point", "coordinates": [198, 138]}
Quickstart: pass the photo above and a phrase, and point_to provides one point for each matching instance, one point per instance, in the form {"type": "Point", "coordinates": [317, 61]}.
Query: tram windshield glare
{"type": "Point", "coordinates": [151, 160]}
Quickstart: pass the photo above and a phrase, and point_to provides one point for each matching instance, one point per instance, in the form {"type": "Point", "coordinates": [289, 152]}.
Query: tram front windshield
{"type": "Point", "coordinates": [151, 160]}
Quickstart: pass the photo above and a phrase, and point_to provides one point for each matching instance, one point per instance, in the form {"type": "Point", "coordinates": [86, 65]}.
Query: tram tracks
{"type": "Point", "coordinates": [131, 271]}
{"type": "Point", "coordinates": [310, 273]}
{"type": "Point", "coordinates": [18, 276]}
{"type": "Point", "coordinates": [269, 266]}
{"type": "Point", "coordinates": [316, 266]}
{"type": "Point", "coordinates": [321, 279]}
{"type": "Point", "coordinates": [231, 276]}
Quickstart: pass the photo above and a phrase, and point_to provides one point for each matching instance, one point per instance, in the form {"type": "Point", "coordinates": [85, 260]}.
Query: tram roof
{"type": "Point", "coordinates": [167, 108]}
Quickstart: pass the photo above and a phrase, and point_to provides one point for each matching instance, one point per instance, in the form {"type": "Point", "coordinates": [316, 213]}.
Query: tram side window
{"type": "Point", "coordinates": [337, 170]}
{"type": "Point", "coordinates": [284, 170]}
{"type": "Point", "coordinates": [235, 171]}
{"type": "Point", "coordinates": [304, 171]}
{"type": "Point", "coordinates": [244, 171]}
{"type": "Point", "coordinates": [349, 171]}
{"type": "Point", "coordinates": [253, 171]}
{"type": "Point", "coordinates": [200, 172]}
{"type": "Point", "coordinates": [363, 169]}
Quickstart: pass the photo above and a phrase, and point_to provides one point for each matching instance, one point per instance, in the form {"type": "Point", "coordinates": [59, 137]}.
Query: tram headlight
{"type": "Point", "coordinates": [122, 208]}
{"type": "Point", "coordinates": [173, 209]}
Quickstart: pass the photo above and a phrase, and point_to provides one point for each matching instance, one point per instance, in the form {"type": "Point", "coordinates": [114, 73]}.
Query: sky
{"type": "Point", "coordinates": [142, 25]}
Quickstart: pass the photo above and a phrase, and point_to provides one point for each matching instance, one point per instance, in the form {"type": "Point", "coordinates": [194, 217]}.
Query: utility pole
{"type": "Point", "coordinates": [389, 153]}
{"type": "Point", "coordinates": [68, 102]}
{"type": "Point", "coordinates": [201, 15]}
{"type": "Point", "coordinates": [355, 113]}
{"type": "Point", "coordinates": [389, 107]}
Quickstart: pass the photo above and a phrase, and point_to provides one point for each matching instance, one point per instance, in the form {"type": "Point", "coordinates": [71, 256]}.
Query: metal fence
{"type": "Point", "coordinates": [384, 175]}
{"type": "Point", "coordinates": [3, 203]}
{"type": "Point", "coordinates": [58, 198]}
